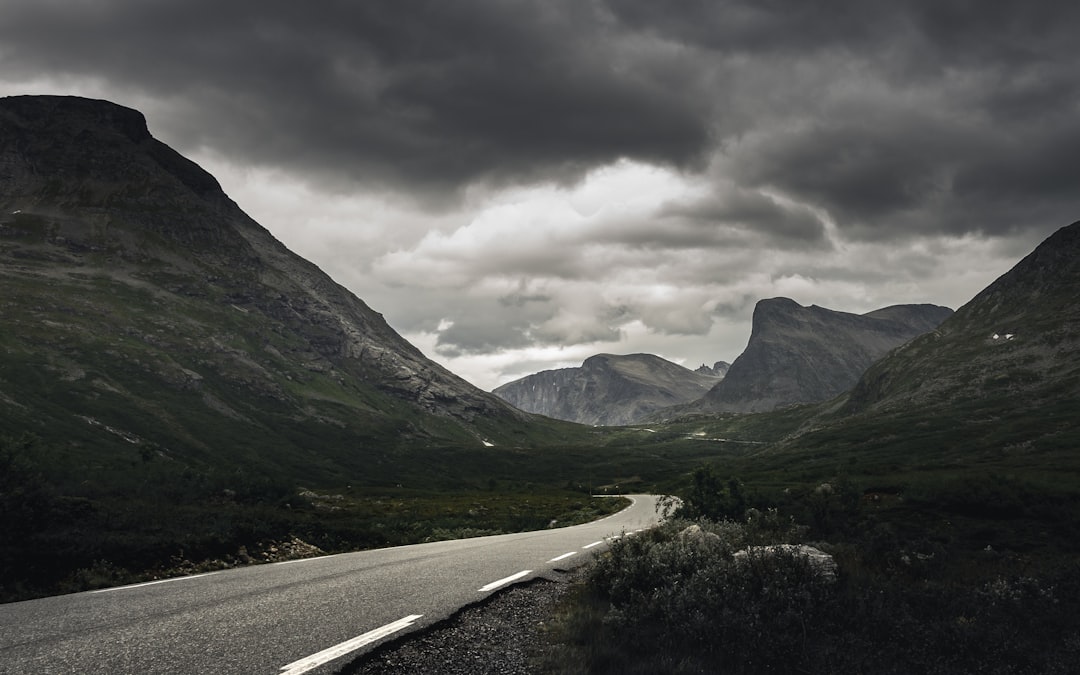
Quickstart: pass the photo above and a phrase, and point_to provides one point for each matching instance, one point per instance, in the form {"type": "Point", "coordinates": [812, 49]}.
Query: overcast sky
{"type": "Point", "coordinates": [517, 185]}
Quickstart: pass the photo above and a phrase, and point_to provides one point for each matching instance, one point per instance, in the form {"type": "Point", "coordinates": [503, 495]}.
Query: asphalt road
{"type": "Point", "coordinates": [304, 616]}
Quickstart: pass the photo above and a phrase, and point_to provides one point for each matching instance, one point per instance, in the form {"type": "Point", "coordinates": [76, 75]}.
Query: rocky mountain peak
{"type": "Point", "coordinates": [73, 115]}
{"type": "Point", "coordinates": [800, 354]}
{"type": "Point", "coordinates": [779, 306]}
{"type": "Point", "coordinates": [718, 369]}
{"type": "Point", "coordinates": [69, 153]}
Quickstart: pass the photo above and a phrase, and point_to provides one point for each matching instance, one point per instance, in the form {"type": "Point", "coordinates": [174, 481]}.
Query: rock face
{"type": "Point", "coordinates": [802, 354]}
{"type": "Point", "coordinates": [607, 389]}
{"type": "Point", "coordinates": [137, 295]}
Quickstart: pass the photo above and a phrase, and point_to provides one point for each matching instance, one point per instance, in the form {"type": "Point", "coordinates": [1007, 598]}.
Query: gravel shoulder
{"type": "Point", "coordinates": [502, 635]}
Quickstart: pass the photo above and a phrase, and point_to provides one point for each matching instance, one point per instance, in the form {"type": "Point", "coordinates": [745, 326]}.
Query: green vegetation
{"type": "Point", "coordinates": [59, 534]}
{"type": "Point", "coordinates": [913, 592]}
{"type": "Point", "coordinates": [949, 499]}
{"type": "Point", "coordinates": [954, 522]}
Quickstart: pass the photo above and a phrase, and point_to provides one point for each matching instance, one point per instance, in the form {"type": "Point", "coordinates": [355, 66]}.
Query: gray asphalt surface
{"type": "Point", "coordinates": [270, 618]}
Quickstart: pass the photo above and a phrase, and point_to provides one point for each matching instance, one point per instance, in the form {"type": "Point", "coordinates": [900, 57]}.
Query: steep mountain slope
{"type": "Point", "coordinates": [607, 389]}
{"type": "Point", "coordinates": [144, 312]}
{"type": "Point", "coordinates": [1017, 341]}
{"type": "Point", "coordinates": [802, 354]}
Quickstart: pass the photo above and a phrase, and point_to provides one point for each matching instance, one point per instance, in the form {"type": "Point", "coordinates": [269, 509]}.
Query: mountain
{"type": "Point", "coordinates": [1015, 344]}
{"type": "Point", "coordinates": [718, 369]}
{"type": "Point", "coordinates": [607, 389]}
{"type": "Point", "coordinates": [144, 312]}
{"type": "Point", "coordinates": [802, 354]}
{"type": "Point", "coordinates": [994, 390]}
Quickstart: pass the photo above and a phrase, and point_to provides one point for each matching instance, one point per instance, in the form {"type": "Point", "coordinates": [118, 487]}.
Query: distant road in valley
{"type": "Point", "coordinates": [301, 616]}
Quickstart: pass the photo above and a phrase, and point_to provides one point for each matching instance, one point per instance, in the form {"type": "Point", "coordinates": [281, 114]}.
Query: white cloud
{"type": "Point", "coordinates": [544, 277]}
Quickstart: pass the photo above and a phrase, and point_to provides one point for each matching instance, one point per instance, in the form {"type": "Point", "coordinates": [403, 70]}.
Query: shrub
{"type": "Point", "coordinates": [682, 589]}
{"type": "Point", "coordinates": [677, 600]}
{"type": "Point", "coordinates": [712, 497]}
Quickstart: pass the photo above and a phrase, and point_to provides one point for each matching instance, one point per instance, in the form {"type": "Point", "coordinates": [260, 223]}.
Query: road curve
{"type": "Point", "coordinates": [303, 616]}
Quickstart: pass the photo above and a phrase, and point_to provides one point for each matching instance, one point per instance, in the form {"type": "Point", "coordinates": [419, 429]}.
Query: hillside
{"type": "Point", "coordinates": [146, 315]}
{"type": "Point", "coordinates": [1017, 340]}
{"type": "Point", "coordinates": [995, 388]}
{"type": "Point", "coordinates": [802, 354]}
{"type": "Point", "coordinates": [607, 389]}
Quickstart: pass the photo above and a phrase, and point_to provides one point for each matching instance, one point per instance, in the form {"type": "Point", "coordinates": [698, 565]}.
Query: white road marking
{"type": "Point", "coordinates": [502, 582]}
{"type": "Point", "coordinates": [564, 556]}
{"type": "Point", "coordinates": [315, 660]}
{"type": "Point", "coordinates": [595, 543]}
{"type": "Point", "coordinates": [151, 583]}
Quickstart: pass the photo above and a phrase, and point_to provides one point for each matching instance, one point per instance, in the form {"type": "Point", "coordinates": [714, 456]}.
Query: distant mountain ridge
{"type": "Point", "coordinates": [607, 389]}
{"type": "Point", "coordinates": [718, 369]}
{"type": "Point", "coordinates": [137, 297]}
{"type": "Point", "coordinates": [802, 354]}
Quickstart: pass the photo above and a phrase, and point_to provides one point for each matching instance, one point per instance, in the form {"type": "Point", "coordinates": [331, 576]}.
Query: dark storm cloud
{"type": "Point", "coordinates": [972, 130]}
{"type": "Point", "coordinates": [478, 334]}
{"type": "Point", "coordinates": [881, 177]}
{"type": "Point", "coordinates": [914, 35]}
{"type": "Point", "coordinates": [892, 118]}
{"type": "Point", "coordinates": [433, 94]}
{"type": "Point", "coordinates": [749, 212]}
{"type": "Point", "coordinates": [763, 26]}
{"type": "Point", "coordinates": [859, 171]}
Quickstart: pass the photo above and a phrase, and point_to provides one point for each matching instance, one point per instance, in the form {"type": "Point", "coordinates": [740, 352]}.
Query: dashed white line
{"type": "Point", "coordinates": [564, 556]}
{"type": "Point", "coordinates": [152, 583]}
{"type": "Point", "coordinates": [595, 543]}
{"type": "Point", "coordinates": [315, 660]}
{"type": "Point", "coordinates": [502, 582]}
